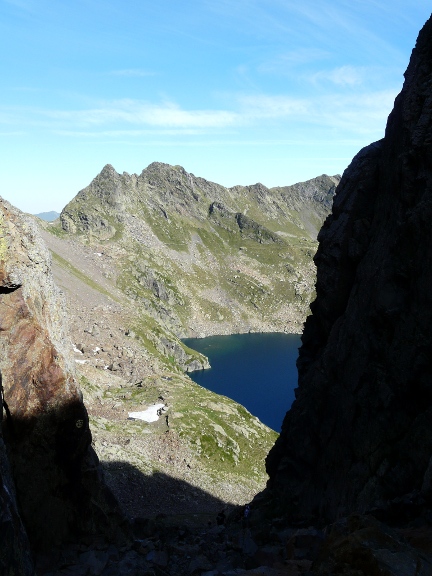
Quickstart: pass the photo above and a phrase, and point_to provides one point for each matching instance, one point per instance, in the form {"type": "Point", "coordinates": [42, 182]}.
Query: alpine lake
{"type": "Point", "coordinates": [256, 370]}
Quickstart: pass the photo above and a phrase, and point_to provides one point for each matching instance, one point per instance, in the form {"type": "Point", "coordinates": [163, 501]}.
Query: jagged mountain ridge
{"type": "Point", "coordinates": [170, 189]}
{"type": "Point", "coordinates": [378, 235]}
{"type": "Point", "coordinates": [206, 259]}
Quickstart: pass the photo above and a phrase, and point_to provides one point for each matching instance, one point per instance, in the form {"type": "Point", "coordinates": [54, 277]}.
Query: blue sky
{"type": "Point", "coordinates": [236, 91]}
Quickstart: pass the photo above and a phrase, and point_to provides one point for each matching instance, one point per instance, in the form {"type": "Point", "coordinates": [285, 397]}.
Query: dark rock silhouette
{"type": "Point", "coordinates": [358, 436]}
{"type": "Point", "coordinates": [15, 557]}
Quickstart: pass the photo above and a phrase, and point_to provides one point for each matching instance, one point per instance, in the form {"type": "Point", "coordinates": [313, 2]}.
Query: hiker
{"type": "Point", "coordinates": [220, 518]}
{"type": "Point", "coordinates": [246, 516]}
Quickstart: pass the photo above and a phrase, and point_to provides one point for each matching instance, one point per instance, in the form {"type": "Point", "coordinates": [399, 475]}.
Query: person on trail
{"type": "Point", "coordinates": [220, 519]}
{"type": "Point", "coordinates": [246, 516]}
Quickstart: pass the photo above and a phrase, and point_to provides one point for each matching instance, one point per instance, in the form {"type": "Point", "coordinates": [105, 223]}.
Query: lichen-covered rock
{"type": "Point", "coordinates": [358, 435]}
{"type": "Point", "coordinates": [46, 430]}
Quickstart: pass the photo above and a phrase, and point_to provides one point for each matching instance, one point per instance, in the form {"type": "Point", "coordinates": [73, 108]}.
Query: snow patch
{"type": "Point", "coordinates": [150, 415]}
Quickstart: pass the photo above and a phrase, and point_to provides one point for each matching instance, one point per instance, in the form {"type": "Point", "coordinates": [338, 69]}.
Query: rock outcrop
{"type": "Point", "coordinates": [358, 436]}
{"type": "Point", "coordinates": [55, 472]}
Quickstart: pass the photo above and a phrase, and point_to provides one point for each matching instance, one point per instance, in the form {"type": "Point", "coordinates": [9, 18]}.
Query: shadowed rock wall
{"type": "Point", "coordinates": [359, 434]}
{"type": "Point", "coordinates": [15, 557]}
{"type": "Point", "coordinates": [59, 490]}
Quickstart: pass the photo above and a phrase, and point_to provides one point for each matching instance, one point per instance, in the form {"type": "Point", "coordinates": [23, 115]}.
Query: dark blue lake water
{"type": "Point", "coordinates": [257, 370]}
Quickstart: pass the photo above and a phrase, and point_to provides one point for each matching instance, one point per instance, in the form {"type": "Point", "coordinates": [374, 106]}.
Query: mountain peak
{"type": "Point", "coordinates": [108, 171]}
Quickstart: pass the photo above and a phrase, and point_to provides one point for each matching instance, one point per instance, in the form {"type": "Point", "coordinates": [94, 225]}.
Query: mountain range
{"type": "Point", "coordinates": [48, 216]}
{"type": "Point", "coordinates": [200, 258]}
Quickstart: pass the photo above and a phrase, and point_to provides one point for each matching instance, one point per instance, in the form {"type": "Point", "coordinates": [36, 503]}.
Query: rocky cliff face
{"type": "Point", "coordinates": [45, 426]}
{"type": "Point", "coordinates": [358, 435]}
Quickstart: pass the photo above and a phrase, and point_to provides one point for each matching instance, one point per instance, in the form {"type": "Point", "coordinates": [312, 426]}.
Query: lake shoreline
{"type": "Point", "coordinates": [256, 369]}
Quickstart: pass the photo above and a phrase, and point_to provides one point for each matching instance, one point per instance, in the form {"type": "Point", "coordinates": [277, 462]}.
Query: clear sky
{"type": "Point", "coordinates": [236, 91]}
